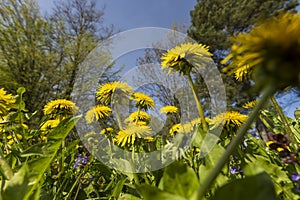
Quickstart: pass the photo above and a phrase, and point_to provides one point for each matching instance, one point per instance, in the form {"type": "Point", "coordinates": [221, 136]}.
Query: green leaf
{"type": "Point", "coordinates": [278, 175]}
{"type": "Point", "coordinates": [118, 188]}
{"type": "Point", "coordinates": [180, 179]}
{"type": "Point", "coordinates": [17, 186]}
{"type": "Point", "coordinates": [63, 129]}
{"type": "Point", "coordinates": [37, 150]}
{"type": "Point", "coordinates": [208, 164]}
{"type": "Point", "coordinates": [258, 187]}
{"type": "Point", "coordinates": [150, 192]}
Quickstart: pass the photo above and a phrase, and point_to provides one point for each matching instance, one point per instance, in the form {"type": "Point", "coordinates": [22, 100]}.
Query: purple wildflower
{"type": "Point", "coordinates": [80, 162]}
{"type": "Point", "coordinates": [84, 160]}
{"type": "Point", "coordinates": [298, 188]}
{"type": "Point", "coordinates": [295, 176]}
{"type": "Point", "coordinates": [235, 170]}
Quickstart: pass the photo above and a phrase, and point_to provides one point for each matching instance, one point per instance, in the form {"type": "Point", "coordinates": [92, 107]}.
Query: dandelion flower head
{"type": "Point", "coordinates": [106, 91]}
{"type": "Point", "coordinates": [97, 112]}
{"type": "Point", "coordinates": [229, 118]}
{"type": "Point", "coordinates": [169, 109]}
{"type": "Point", "coordinates": [60, 107]}
{"type": "Point", "coordinates": [6, 100]}
{"type": "Point", "coordinates": [185, 57]}
{"type": "Point", "coordinates": [129, 135]}
{"type": "Point", "coordinates": [142, 100]}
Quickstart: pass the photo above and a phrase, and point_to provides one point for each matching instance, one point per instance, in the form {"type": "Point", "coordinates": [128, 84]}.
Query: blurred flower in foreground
{"type": "Point", "coordinates": [184, 57]}
{"type": "Point", "coordinates": [169, 109]}
{"type": "Point", "coordinates": [97, 112]}
{"type": "Point", "coordinates": [60, 107]}
{"type": "Point", "coordinates": [229, 118]}
{"type": "Point", "coordinates": [143, 101]}
{"type": "Point", "coordinates": [128, 135]}
{"type": "Point", "coordinates": [6, 100]}
{"type": "Point", "coordinates": [107, 90]}
{"type": "Point", "coordinates": [270, 52]}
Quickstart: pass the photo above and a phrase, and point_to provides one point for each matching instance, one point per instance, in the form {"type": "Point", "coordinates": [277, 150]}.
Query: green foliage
{"type": "Point", "coordinates": [258, 187]}
{"type": "Point", "coordinates": [29, 177]}
{"type": "Point", "coordinates": [43, 54]}
{"type": "Point", "coordinates": [27, 58]}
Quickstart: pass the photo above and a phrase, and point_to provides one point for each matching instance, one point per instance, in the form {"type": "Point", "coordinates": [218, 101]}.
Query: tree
{"type": "Point", "coordinates": [214, 21]}
{"type": "Point", "coordinates": [79, 29]}
{"type": "Point", "coordinates": [44, 54]}
{"type": "Point", "coordinates": [27, 56]}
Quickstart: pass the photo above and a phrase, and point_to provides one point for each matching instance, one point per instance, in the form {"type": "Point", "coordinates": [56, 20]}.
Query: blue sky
{"type": "Point", "coordinates": [140, 13]}
{"type": "Point", "coordinates": [126, 15]}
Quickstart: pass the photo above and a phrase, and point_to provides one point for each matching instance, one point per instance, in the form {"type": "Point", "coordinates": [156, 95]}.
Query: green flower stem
{"type": "Point", "coordinates": [199, 106]}
{"type": "Point", "coordinates": [199, 194]}
{"type": "Point", "coordinates": [119, 118]}
{"type": "Point", "coordinates": [285, 123]}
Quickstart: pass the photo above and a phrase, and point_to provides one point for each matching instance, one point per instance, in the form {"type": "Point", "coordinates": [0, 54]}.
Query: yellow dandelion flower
{"type": "Point", "coordinates": [184, 57]}
{"type": "Point", "coordinates": [182, 129]}
{"type": "Point", "coordinates": [61, 107]}
{"type": "Point", "coordinates": [142, 100]}
{"type": "Point", "coordinates": [50, 124]}
{"type": "Point", "coordinates": [174, 129]}
{"type": "Point", "coordinates": [25, 126]}
{"type": "Point", "coordinates": [169, 109]}
{"type": "Point", "coordinates": [271, 50]}
{"type": "Point", "coordinates": [142, 123]}
{"type": "Point", "coordinates": [106, 131]}
{"type": "Point", "coordinates": [228, 118]}
{"type": "Point", "coordinates": [12, 139]}
{"type": "Point", "coordinates": [6, 100]}
{"type": "Point", "coordinates": [97, 112]}
{"type": "Point", "coordinates": [137, 117]}
{"type": "Point", "coordinates": [19, 136]}
{"type": "Point", "coordinates": [129, 135]}
{"type": "Point", "coordinates": [106, 91]}
{"type": "Point", "coordinates": [44, 138]}
{"type": "Point", "coordinates": [250, 104]}
{"type": "Point", "coordinates": [11, 142]}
